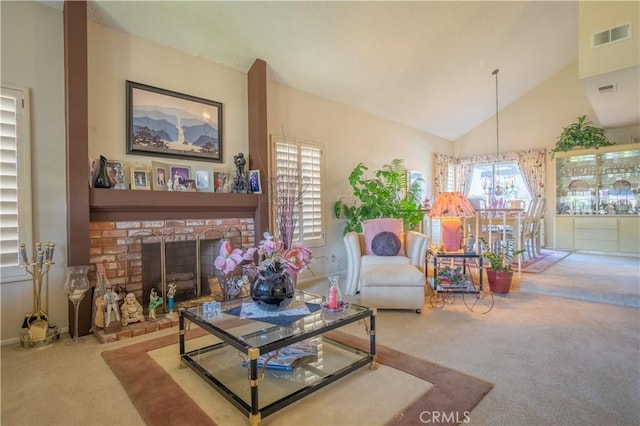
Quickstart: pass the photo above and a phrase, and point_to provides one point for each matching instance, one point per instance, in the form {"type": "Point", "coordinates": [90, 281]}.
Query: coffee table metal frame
{"type": "Point", "coordinates": [252, 353]}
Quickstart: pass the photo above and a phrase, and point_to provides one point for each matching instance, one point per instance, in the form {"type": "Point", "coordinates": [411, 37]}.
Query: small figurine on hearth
{"type": "Point", "coordinates": [154, 302]}
{"type": "Point", "coordinates": [111, 305]}
{"type": "Point", "coordinates": [171, 293]}
{"type": "Point", "coordinates": [131, 310]}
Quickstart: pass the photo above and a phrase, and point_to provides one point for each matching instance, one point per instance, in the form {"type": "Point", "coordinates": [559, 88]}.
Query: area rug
{"type": "Point", "coordinates": [450, 395]}
{"type": "Point", "coordinates": [542, 262]}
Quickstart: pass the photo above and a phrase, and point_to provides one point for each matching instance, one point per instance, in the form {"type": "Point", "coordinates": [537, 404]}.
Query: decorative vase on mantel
{"type": "Point", "coordinates": [272, 292]}
{"type": "Point", "coordinates": [102, 180]}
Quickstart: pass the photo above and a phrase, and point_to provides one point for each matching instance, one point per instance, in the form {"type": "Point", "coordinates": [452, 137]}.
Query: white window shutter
{"type": "Point", "coordinates": [15, 181]}
{"type": "Point", "coordinates": [301, 162]}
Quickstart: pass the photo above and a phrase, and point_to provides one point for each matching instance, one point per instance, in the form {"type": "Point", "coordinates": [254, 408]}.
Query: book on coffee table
{"type": "Point", "coordinates": [287, 357]}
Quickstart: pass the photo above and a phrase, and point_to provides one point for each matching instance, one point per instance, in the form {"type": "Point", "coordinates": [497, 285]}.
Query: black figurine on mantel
{"type": "Point", "coordinates": [102, 180]}
{"type": "Point", "coordinates": [240, 179]}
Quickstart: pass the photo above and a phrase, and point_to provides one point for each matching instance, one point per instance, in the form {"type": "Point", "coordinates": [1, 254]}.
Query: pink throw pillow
{"type": "Point", "coordinates": [384, 237]}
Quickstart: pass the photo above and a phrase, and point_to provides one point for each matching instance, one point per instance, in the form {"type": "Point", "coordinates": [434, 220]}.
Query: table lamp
{"type": "Point", "coordinates": [450, 207]}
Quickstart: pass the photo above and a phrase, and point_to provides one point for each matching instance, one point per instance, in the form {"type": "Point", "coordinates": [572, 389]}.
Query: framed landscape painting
{"type": "Point", "coordinates": [170, 124]}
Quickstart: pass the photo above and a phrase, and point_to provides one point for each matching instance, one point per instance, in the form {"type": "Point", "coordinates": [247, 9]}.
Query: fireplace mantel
{"type": "Point", "coordinates": [118, 205]}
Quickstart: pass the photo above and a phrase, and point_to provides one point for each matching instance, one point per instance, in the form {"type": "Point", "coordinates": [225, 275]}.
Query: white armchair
{"type": "Point", "coordinates": [395, 282]}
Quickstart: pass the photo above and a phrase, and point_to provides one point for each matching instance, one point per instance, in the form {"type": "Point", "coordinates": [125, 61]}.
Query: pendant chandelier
{"type": "Point", "coordinates": [499, 187]}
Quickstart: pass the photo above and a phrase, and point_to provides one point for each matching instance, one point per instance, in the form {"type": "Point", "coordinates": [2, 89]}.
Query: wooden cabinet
{"type": "Point", "coordinates": [610, 234]}
{"type": "Point", "coordinates": [595, 233]}
{"type": "Point", "coordinates": [598, 200]}
{"type": "Point", "coordinates": [598, 182]}
{"type": "Point", "coordinates": [629, 234]}
{"type": "Point", "coordinates": [564, 233]}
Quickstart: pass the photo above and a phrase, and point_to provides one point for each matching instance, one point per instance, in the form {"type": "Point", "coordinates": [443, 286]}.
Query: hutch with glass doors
{"type": "Point", "coordinates": [598, 199]}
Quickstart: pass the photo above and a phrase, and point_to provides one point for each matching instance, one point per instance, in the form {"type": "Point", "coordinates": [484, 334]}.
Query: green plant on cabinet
{"type": "Point", "coordinates": [580, 134]}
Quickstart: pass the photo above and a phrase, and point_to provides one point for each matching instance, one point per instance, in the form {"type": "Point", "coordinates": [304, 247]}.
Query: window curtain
{"type": "Point", "coordinates": [531, 163]}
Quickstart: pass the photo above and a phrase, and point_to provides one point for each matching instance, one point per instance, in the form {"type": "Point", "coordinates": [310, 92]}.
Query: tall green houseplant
{"type": "Point", "coordinates": [381, 196]}
{"type": "Point", "coordinates": [580, 134]}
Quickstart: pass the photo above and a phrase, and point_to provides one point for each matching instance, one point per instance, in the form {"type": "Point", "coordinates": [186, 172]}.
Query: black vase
{"type": "Point", "coordinates": [102, 180]}
{"type": "Point", "coordinates": [273, 292]}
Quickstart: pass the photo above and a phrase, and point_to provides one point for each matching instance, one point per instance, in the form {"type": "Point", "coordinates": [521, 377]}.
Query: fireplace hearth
{"type": "Point", "coordinates": [140, 255]}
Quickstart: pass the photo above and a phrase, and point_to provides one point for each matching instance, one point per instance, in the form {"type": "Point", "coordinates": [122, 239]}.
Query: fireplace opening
{"type": "Point", "coordinates": [181, 268]}
{"type": "Point", "coordinates": [188, 263]}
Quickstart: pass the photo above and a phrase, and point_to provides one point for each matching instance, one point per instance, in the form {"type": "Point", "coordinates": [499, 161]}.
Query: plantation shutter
{"type": "Point", "coordinates": [301, 162]}
{"type": "Point", "coordinates": [14, 182]}
{"type": "Point", "coordinates": [451, 178]}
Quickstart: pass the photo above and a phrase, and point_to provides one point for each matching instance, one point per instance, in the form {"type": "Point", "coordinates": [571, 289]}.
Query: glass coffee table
{"type": "Point", "coordinates": [233, 362]}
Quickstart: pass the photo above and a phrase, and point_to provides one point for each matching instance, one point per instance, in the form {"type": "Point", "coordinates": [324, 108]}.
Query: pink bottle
{"type": "Point", "coordinates": [333, 297]}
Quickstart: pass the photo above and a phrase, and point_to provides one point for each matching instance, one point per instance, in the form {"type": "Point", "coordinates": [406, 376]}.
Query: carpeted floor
{"type": "Point", "coordinates": [545, 260]}
{"type": "Point", "coordinates": [160, 390]}
{"type": "Point", "coordinates": [563, 348]}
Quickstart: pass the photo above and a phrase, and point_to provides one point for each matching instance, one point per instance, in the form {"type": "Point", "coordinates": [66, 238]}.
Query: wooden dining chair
{"type": "Point", "coordinates": [516, 204]}
{"type": "Point", "coordinates": [531, 228]}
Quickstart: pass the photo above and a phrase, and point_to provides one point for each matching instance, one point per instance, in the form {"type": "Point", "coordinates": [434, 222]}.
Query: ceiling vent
{"type": "Point", "coordinates": [611, 35]}
{"type": "Point", "coordinates": [607, 88]}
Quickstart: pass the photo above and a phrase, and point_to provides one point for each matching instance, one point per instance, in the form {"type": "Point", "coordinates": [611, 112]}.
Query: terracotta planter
{"type": "Point", "coordinates": [499, 282]}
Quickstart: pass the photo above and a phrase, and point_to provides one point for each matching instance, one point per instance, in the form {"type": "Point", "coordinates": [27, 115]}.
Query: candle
{"type": "Point", "coordinates": [333, 297]}
{"type": "Point", "coordinates": [50, 248]}
{"type": "Point", "coordinates": [23, 254]}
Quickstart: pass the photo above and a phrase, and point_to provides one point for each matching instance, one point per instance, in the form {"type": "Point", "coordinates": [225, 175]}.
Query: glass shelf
{"type": "Point", "coordinates": [599, 182]}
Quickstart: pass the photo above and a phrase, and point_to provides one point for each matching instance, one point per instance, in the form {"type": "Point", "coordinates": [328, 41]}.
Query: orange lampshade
{"type": "Point", "coordinates": [452, 204]}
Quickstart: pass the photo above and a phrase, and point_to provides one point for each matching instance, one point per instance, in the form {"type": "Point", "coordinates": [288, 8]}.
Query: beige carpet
{"type": "Point", "coordinates": [397, 392]}
{"type": "Point", "coordinates": [545, 260]}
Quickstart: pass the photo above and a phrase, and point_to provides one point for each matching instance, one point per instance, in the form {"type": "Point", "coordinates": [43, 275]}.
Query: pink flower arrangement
{"type": "Point", "coordinates": [268, 258]}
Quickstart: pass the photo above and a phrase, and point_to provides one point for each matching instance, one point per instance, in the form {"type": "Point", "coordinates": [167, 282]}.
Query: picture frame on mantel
{"type": "Point", "coordinates": [160, 175]}
{"type": "Point", "coordinates": [203, 178]}
{"type": "Point", "coordinates": [116, 171]}
{"type": "Point", "coordinates": [140, 179]}
{"type": "Point", "coordinates": [164, 123]}
{"type": "Point", "coordinates": [179, 175]}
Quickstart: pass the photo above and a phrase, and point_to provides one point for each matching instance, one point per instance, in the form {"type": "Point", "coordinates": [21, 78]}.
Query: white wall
{"type": "Point", "coordinates": [596, 16]}
{"type": "Point", "coordinates": [114, 57]}
{"type": "Point", "coordinates": [534, 121]}
{"type": "Point", "coordinates": [32, 56]}
{"type": "Point", "coordinates": [349, 136]}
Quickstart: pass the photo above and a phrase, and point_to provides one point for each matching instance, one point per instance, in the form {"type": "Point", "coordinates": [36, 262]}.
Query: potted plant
{"type": "Point", "coordinates": [381, 197]}
{"type": "Point", "coordinates": [452, 277]}
{"type": "Point", "coordinates": [500, 257]}
{"type": "Point", "coordinates": [580, 134]}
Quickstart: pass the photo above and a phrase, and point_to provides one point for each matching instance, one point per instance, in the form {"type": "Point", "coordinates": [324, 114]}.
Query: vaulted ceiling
{"type": "Point", "coordinates": [424, 64]}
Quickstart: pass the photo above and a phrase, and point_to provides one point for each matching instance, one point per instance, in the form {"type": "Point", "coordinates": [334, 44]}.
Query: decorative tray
{"type": "Point", "coordinates": [621, 184]}
{"type": "Point", "coordinates": [578, 186]}
{"type": "Point", "coordinates": [342, 307]}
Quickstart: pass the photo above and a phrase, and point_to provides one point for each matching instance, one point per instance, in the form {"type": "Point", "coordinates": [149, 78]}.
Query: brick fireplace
{"type": "Point", "coordinates": [119, 244]}
{"type": "Point", "coordinates": [130, 252]}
